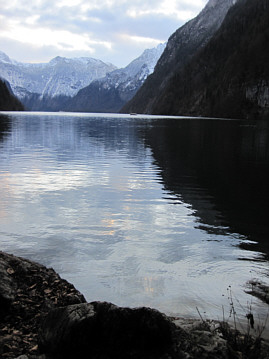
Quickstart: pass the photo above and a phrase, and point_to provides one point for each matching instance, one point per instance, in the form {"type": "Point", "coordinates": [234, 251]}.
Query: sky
{"type": "Point", "coordinates": [115, 31]}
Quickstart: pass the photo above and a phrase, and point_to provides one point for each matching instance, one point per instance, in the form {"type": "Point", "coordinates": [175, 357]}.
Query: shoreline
{"type": "Point", "coordinates": [31, 293]}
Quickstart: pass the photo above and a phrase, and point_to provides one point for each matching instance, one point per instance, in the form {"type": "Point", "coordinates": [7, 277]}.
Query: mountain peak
{"type": "Point", "coordinates": [80, 60]}
{"type": "Point", "coordinates": [57, 59]}
{"type": "Point", "coordinates": [4, 57]}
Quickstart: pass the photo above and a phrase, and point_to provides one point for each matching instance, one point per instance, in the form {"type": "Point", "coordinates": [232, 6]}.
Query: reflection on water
{"type": "Point", "coordinates": [139, 211]}
{"type": "Point", "coordinates": [222, 169]}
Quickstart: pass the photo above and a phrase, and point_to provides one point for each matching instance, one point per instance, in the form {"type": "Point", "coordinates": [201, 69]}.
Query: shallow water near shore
{"type": "Point", "coordinates": [170, 213]}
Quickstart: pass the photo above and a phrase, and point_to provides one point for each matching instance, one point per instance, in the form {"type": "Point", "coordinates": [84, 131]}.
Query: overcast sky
{"type": "Point", "coordinates": [115, 31]}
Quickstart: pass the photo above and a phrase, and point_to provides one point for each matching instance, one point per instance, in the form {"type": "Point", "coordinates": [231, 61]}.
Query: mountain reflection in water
{"type": "Point", "coordinates": [222, 169]}
{"type": "Point", "coordinates": [164, 212]}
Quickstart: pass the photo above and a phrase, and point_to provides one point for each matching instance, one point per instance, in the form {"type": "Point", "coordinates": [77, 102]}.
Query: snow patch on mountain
{"type": "Point", "coordinates": [133, 75]}
{"type": "Point", "coordinates": [111, 92]}
{"type": "Point", "coordinates": [60, 76]}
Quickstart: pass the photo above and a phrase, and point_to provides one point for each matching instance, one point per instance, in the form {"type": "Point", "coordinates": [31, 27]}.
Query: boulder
{"type": "Point", "coordinates": [103, 330]}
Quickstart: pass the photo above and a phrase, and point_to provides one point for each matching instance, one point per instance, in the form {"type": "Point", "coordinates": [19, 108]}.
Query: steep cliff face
{"type": "Point", "coordinates": [230, 76]}
{"type": "Point", "coordinates": [226, 77]}
{"type": "Point", "coordinates": [258, 94]}
{"type": "Point", "coordinates": [180, 49]}
{"type": "Point", "coordinates": [8, 102]}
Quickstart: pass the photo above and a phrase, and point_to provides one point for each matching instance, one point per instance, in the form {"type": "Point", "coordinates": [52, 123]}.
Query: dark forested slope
{"type": "Point", "coordinates": [97, 97]}
{"type": "Point", "coordinates": [230, 76]}
{"type": "Point", "coordinates": [180, 49]}
{"type": "Point", "coordinates": [8, 102]}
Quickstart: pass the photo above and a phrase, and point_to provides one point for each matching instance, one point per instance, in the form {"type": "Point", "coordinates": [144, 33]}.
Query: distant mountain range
{"type": "Point", "coordinates": [216, 65]}
{"type": "Point", "coordinates": [50, 86]}
{"type": "Point", "coordinates": [110, 93]}
{"type": "Point", "coordinates": [60, 76]}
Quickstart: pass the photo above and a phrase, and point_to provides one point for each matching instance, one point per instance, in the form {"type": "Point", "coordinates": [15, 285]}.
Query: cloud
{"type": "Point", "coordinates": [99, 28]}
{"type": "Point", "coordinates": [61, 39]}
{"type": "Point", "coordinates": [140, 40]}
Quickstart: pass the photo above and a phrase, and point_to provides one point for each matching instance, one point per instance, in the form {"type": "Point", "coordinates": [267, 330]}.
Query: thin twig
{"type": "Point", "coordinates": [200, 315]}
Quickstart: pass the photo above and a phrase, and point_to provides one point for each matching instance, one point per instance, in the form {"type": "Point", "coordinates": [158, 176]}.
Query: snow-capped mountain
{"type": "Point", "coordinates": [146, 61]}
{"type": "Point", "coordinates": [137, 71]}
{"type": "Point", "coordinates": [93, 84]}
{"type": "Point", "coordinates": [60, 76]}
{"type": "Point", "coordinates": [110, 93]}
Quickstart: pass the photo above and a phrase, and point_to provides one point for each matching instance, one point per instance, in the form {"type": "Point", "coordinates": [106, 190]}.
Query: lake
{"type": "Point", "coordinates": [165, 212]}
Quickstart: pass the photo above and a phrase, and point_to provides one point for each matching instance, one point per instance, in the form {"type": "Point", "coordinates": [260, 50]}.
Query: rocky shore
{"type": "Point", "coordinates": [43, 316]}
{"type": "Point", "coordinates": [259, 290]}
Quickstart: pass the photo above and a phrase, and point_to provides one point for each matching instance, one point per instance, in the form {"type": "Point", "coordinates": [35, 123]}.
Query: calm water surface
{"type": "Point", "coordinates": [162, 212]}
